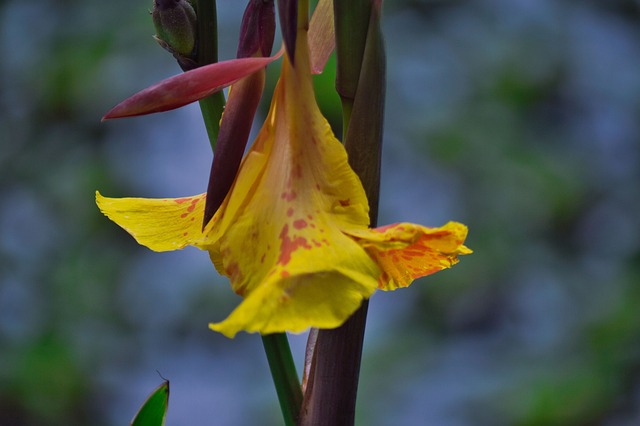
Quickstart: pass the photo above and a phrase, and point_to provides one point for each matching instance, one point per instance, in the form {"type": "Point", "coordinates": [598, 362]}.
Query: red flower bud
{"type": "Point", "coordinates": [258, 29]}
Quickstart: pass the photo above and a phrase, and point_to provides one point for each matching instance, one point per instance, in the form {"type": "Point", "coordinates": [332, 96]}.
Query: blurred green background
{"type": "Point", "coordinates": [520, 118]}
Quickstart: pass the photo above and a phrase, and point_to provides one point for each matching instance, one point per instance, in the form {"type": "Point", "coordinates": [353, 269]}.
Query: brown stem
{"type": "Point", "coordinates": [331, 388]}
{"type": "Point", "coordinates": [332, 384]}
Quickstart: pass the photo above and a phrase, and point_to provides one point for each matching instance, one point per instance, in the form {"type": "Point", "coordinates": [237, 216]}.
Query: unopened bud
{"type": "Point", "coordinates": [176, 27]}
{"type": "Point", "coordinates": [257, 29]}
{"type": "Point", "coordinates": [288, 14]}
{"type": "Point", "coordinates": [235, 128]}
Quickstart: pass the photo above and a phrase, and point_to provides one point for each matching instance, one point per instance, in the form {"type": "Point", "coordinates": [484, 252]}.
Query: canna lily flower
{"type": "Point", "coordinates": [292, 234]}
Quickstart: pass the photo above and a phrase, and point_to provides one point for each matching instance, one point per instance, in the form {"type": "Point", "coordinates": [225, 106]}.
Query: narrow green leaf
{"type": "Point", "coordinates": [207, 53]}
{"type": "Point", "coordinates": [154, 409]}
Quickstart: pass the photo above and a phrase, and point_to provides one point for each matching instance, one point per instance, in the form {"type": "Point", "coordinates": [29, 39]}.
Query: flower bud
{"type": "Point", "coordinates": [288, 14]}
{"type": "Point", "coordinates": [235, 127]}
{"type": "Point", "coordinates": [176, 28]}
{"type": "Point", "coordinates": [257, 29]}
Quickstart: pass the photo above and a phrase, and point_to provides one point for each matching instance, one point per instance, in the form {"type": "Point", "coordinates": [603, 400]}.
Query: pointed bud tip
{"type": "Point", "coordinates": [288, 13]}
{"type": "Point", "coordinates": [257, 30]}
{"type": "Point", "coordinates": [188, 87]}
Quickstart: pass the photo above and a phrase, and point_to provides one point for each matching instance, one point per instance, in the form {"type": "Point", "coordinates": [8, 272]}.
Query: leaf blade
{"type": "Point", "coordinates": [154, 410]}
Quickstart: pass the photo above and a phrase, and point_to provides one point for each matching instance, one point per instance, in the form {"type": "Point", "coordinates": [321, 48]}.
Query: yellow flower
{"type": "Point", "coordinates": [292, 234]}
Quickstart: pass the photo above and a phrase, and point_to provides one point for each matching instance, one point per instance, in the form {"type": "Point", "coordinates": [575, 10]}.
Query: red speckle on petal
{"type": "Point", "coordinates": [182, 200]}
{"type": "Point", "coordinates": [300, 224]}
{"type": "Point", "coordinates": [381, 229]}
{"type": "Point", "coordinates": [434, 235]}
{"type": "Point", "coordinates": [345, 203]}
{"type": "Point", "coordinates": [309, 217]}
{"type": "Point", "coordinates": [193, 205]}
{"type": "Point", "coordinates": [184, 234]}
{"type": "Point", "coordinates": [383, 280]}
{"type": "Point", "coordinates": [262, 258]}
{"type": "Point", "coordinates": [316, 243]}
{"type": "Point", "coordinates": [233, 272]}
{"type": "Point", "coordinates": [297, 171]}
{"type": "Point", "coordinates": [413, 253]}
{"type": "Point", "coordinates": [284, 274]}
{"type": "Point", "coordinates": [289, 245]}
{"type": "Point", "coordinates": [289, 196]}
{"type": "Point", "coordinates": [290, 212]}
{"type": "Point", "coordinates": [183, 215]}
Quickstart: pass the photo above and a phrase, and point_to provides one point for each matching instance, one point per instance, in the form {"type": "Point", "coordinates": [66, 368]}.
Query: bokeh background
{"type": "Point", "coordinates": [520, 118]}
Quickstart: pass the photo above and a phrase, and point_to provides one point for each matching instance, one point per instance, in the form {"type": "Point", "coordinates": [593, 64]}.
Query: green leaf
{"type": "Point", "coordinates": [154, 409]}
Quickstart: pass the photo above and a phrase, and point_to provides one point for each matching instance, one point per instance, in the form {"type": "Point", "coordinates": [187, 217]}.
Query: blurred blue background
{"type": "Point", "coordinates": [519, 118]}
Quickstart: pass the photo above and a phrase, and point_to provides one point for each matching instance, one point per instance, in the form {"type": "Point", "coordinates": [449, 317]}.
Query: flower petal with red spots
{"type": "Point", "coordinates": [161, 224]}
{"type": "Point", "coordinates": [292, 233]}
{"type": "Point", "coordinates": [405, 251]}
{"type": "Point", "coordinates": [279, 230]}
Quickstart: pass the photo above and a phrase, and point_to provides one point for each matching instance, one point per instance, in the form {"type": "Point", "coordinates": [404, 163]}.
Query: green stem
{"type": "Point", "coordinates": [276, 346]}
{"type": "Point", "coordinates": [285, 376]}
{"type": "Point", "coordinates": [212, 106]}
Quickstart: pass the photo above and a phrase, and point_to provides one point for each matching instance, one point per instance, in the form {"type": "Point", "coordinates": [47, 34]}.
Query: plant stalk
{"type": "Point", "coordinates": [211, 106]}
{"type": "Point", "coordinates": [285, 376]}
{"type": "Point", "coordinates": [331, 391]}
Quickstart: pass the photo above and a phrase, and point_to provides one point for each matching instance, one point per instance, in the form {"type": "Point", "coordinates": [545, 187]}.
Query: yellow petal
{"type": "Point", "coordinates": [296, 302]}
{"type": "Point", "coordinates": [405, 251]}
{"type": "Point", "coordinates": [162, 224]}
{"type": "Point", "coordinates": [293, 193]}
{"type": "Point", "coordinates": [292, 234]}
